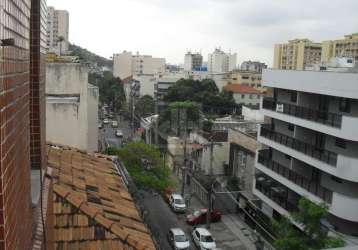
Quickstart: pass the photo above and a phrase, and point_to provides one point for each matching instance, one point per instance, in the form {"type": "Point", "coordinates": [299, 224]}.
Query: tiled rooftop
{"type": "Point", "coordinates": [242, 89]}
{"type": "Point", "coordinates": [91, 205]}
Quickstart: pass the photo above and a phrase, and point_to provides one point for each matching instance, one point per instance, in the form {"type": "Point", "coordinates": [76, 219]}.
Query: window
{"type": "Point", "coordinates": [341, 143]}
{"type": "Point", "coordinates": [344, 105]}
{"type": "Point", "coordinates": [245, 77]}
{"type": "Point", "coordinates": [258, 96]}
{"type": "Point", "coordinates": [259, 85]}
{"type": "Point", "coordinates": [243, 96]}
{"type": "Point", "coordinates": [291, 127]}
{"type": "Point", "coordinates": [250, 96]}
{"type": "Point", "coordinates": [287, 157]}
{"type": "Point", "coordinates": [293, 96]}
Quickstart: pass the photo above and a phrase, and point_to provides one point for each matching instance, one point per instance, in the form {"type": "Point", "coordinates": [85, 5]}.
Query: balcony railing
{"type": "Point", "coordinates": [279, 199]}
{"type": "Point", "coordinates": [327, 118]}
{"type": "Point", "coordinates": [311, 186]}
{"type": "Point", "coordinates": [303, 147]}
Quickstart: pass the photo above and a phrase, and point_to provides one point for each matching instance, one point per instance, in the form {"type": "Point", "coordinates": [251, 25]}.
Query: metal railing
{"type": "Point", "coordinates": [303, 147]}
{"type": "Point", "coordinates": [327, 118]}
{"type": "Point", "coordinates": [302, 181]}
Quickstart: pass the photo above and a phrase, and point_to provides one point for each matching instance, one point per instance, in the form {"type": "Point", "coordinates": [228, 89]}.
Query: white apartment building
{"type": "Point", "coordinates": [220, 62]}
{"type": "Point", "coordinates": [192, 61]}
{"type": "Point", "coordinates": [312, 143]}
{"type": "Point", "coordinates": [126, 64]}
{"type": "Point", "coordinates": [57, 27]}
{"type": "Point", "coordinates": [71, 106]}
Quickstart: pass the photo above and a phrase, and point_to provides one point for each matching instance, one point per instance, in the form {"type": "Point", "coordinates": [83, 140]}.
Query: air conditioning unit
{"type": "Point", "coordinates": [279, 108]}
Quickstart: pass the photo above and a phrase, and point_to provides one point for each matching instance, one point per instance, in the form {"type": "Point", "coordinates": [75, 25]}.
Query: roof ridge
{"type": "Point", "coordinates": [98, 216]}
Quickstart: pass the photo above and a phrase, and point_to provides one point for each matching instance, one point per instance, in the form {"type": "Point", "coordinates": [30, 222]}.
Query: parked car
{"type": "Point", "coordinates": [177, 203]}
{"type": "Point", "coordinates": [114, 124]}
{"type": "Point", "coordinates": [105, 121]}
{"type": "Point", "coordinates": [178, 240]}
{"type": "Point", "coordinates": [100, 125]}
{"type": "Point", "coordinates": [199, 216]}
{"type": "Point", "coordinates": [119, 133]}
{"type": "Point", "coordinates": [202, 239]}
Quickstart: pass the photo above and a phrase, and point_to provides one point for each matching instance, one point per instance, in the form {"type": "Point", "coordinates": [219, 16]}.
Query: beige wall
{"type": "Point", "coordinates": [71, 106]}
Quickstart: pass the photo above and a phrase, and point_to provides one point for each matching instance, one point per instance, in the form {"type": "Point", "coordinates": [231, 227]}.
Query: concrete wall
{"type": "Point", "coordinates": [71, 106]}
{"type": "Point", "coordinates": [246, 100]}
{"type": "Point", "coordinates": [252, 114]}
{"type": "Point", "coordinates": [122, 65]}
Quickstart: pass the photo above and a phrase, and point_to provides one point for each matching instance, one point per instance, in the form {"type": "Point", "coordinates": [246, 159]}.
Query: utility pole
{"type": "Point", "coordinates": [210, 204]}
{"type": "Point", "coordinates": [156, 138]}
{"type": "Point", "coordinates": [184, 168]}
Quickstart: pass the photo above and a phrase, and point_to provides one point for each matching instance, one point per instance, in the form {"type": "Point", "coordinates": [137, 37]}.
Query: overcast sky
{"type": "Point", "coordinates": [168, 28]}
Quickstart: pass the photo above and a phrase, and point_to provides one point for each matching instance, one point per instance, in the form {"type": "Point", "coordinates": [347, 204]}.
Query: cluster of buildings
{"type": "Point", "coordinates": [300, 142]}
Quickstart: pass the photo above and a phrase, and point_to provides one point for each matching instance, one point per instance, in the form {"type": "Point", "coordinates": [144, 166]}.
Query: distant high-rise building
{"type": "Point", "coordinates": [22, 116]}
{"type": "Point", "coordinates": [192, 61]}
{"type": "Point", "coordinates": [253, 66]}
{"type": "Point", "coordinates": [126, 64]}
{"type": "Point", "coordinates": [347, 47]}
{"type": "Point", "coordinates": [57, 30]}
{"type": "Point", "coordinates": [220, 62]}
{"type": "Point", "coordinates": [296, 54]}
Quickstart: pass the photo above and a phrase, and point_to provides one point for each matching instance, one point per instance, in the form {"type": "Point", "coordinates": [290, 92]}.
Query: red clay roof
{"type": "Point", "coordinates": [92, 207]}
{"type": "Point", "coordinates": [239, 88]}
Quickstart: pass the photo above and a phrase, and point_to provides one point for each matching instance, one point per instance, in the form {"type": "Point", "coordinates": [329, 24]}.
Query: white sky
{"type": "Point", "coordinates": [168, 28]}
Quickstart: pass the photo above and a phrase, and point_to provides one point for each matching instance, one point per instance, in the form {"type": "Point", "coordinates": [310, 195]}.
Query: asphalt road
{"type": "Point", "coordinates": [107, 133]}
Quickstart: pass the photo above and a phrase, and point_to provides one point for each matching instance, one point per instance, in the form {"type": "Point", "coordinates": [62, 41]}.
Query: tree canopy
{"type": "Point", "coordinates": [144, 106]}
{"type": "Point", "coordinates": [313, 237]}
{"type": "Point", "coordinates": [204, 92]}
{"type": "Point", "coordinates": [111, 89]}
{"type": "Point", "coordinates": [144, 165]}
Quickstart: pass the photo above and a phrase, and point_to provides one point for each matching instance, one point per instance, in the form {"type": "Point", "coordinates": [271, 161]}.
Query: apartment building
{"type": "Point", "coordinates": [192, 61]}
{"type": "Point", "coordinates": [22, 118]}
{"type": "Point", "coordinates": [296, 54]}
{"type": "Point", "coordinates": [253, 66]}
{"type": "Point", "coordinates": [221, 62]}
{"type": "Point", "coordinates": [126, 64]}
{"type": "Point", "coordinates": [312, 143]}
{"type": "Point", "coordinates": [247, 78]}
{"type": "Point", "coordinates": [71, 106]}
{"type": "Point", "coordinates": [57, 30]}
{"type": "Point", "coordinates": [346, 47]}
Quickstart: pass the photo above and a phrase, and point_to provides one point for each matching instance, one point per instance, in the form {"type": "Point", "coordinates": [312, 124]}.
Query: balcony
{"type": "Point", "coordinates": [309, 185]}
{"type": "Point", "coordinates": [303, 147]}
{"type": "Point", "coordinates": [326, 118]}
{"type": "Point", "coordinates": [276, 193]}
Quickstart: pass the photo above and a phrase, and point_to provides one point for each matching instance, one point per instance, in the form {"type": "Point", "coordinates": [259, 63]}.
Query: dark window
{"type": "Point", "coordinates": [344, 105]}
{"type": "Point", "coordinates": [287, 157]}
{"type": "Point", "coordinates": [336, 179]}
{"type": "Point", "coordinates": [293, 96]}
{"type": "Point", "coordinates": [245, 77]}
{"type": "Point", "coordinates": [341, 143]}
{"type": "Point", "coordinates": [291, 127]}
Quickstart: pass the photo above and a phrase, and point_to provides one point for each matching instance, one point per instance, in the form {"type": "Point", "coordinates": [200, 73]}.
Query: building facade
{"type": "Point", "coordinates": [21, 123]}
{"type": "Point", "coordinates": [312, 144]}
{"type": "Point", "coordinates": [221, 62]}
{"type": "Point", "coordinates": [245, 95]}
{"type": "Point", "coordinates": [346, 47]}
{"type": "Point", "coordinates": [296, 54]}
{"type": "Point", "coordinates": [192, 61]}
{"type": "Point", "coordinates": [126, 64]}
{"type": "Point", "coordinates": [57, 30]}
{"type": "Point", "coordinates": [71, 107]}
{"type": "Point", "coordinates": [247, 78]}
{"type": "Point", "coordinates": [253, 66]}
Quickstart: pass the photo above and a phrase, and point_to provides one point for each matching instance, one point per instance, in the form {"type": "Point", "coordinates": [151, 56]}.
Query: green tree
{"type": "Point", "coordinates": [145, 106]}
{"type": "Point", "coordinates": [204, 92]}
{"type": "Point", "coordinates": [313, 237]}
{"type": "Point", "coordinates": [144, 165]}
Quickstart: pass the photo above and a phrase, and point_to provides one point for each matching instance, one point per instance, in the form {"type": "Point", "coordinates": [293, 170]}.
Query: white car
{"type": "Point", "coordinates": [105, 121]}
{"type": "Point", "coordinates": [114, 124]}
{"type": "Point", "coordinates": [119, 133]}
{"type": "Point", "coordinates": [202, 239]}
{"type": "Point", "coordinates": [178, 239]}
{"type": "Point", "coordinates": [177, 203]}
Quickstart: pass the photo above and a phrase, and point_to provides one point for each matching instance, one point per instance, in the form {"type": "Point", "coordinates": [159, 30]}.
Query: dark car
{"type": "Point", "coordinates": [199, 216]}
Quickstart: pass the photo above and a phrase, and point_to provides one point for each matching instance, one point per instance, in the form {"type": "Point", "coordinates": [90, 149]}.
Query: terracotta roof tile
{"type": "Point", "coordinates": [92, 206]}
{"type": "Point", "coordinates": [239, 88]}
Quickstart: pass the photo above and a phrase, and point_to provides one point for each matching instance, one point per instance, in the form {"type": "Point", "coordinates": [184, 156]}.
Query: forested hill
{"type": "Point", "coordinates": [88, 56]}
